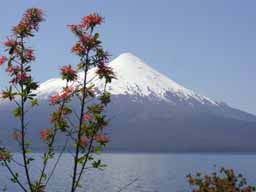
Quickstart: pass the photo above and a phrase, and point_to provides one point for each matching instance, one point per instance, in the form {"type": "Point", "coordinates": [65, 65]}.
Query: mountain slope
{"type": "Point", "coordinates": [134, 77]}
{"type": "Point", "coordinates": [137, 79]}
{"type": "Point", "coordinates": [150, 112]}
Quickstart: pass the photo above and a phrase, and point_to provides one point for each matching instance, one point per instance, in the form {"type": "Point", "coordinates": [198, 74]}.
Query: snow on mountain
{"type": "Point", "coordinates": [134, 77]}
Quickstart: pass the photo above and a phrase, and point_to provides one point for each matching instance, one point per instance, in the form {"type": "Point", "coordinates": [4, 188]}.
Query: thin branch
{"type": "Point", "coordinates": [14, 176]}
{"type": "Point", "coordinates": [17, 163]}
{"type": "Point", "coordinates": [75, 113]}
{"type": "Point", "coordinates": [57, 161]}
{"type": "Point", "coordinates": [71, 122]}
{"type": "Point", "coordinates": [80, 129]}
{"type": "Point", "coordinates": [70, 152]}
{"type": "Point", "coordinates": [129, 184]}
{"type": "Point", "coordinates": [16, 102]}
{"type": "Point", "coordinates": [89, 81]}
{"type": "Point", "coordinates": [84, 163]}
{"type": "Point", "coordinates": [23, 122]}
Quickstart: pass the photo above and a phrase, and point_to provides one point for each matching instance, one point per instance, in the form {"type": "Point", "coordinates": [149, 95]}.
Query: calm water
{"type": "Point", "coordinates": [155, 172]}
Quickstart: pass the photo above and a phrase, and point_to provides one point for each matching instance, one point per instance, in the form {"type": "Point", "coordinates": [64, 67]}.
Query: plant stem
{"type": "Point", "coordinates": [80, 128]}
{"type": "Point", "coordinates": [84, 164]}
{"type": "Point", "coordinates": [23, 123]}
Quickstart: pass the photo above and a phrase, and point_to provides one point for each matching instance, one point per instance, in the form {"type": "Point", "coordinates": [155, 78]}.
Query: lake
{"type": "Point", "coordinates": [155, 172]}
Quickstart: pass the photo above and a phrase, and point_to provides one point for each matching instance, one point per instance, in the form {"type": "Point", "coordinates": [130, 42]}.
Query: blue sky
{"type": "Point", "coordinates": [207, 46]}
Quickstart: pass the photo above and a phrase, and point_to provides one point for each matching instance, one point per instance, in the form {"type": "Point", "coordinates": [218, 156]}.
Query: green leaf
{"type": "Point", "coordinates": [34, 102]}
{"type": "Point", "coordinates": [27, 143]}
{"type": "Point", "coordinates": [81, 160]}
{"type": "Point", "coordinates": [28, 151]}
{"type": "Point", "coordinates": [97, 150]}
{"type": "Point", "coordinates": [17, 112]}
{"type": "Point", "coordinates": [97, 35]}
{"type": "Point", "coordinates": [96, 164]}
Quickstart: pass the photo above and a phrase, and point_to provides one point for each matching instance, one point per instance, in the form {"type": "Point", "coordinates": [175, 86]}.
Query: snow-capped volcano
{"type": "Point", "coordinates": [150, 112]}
{"type": "Point", "coordinates": [134, 77]}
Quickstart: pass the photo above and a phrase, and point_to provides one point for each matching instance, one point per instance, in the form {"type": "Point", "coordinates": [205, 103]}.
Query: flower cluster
{"type": "Point", "coordinates": [29, 22]}
{"type": "Point", "coordinates": [68, 73]}
{"type": "Point", "coordinates": [106, 72]}
{"type": "Point", "coordinates": [64, 95]}
{"type": "Point", "coordinates": [102, 138]}
{"type": "Point", "coordinates": [87, 41]}
{"type": "Point", "coordinates": [20, 78]}
{"type": "Point", "coordinates": [226, 180]}
{"type": "Point", "coordinates": [87, 117]}
{"type": "Point", "coordinates": [46, 134]}
{"type": "Point", "coordinates": [29, 55]}
{"type": "Point", "coordinates": [90, 21]}
{"type": "Point", "coordinates": [18, 67]}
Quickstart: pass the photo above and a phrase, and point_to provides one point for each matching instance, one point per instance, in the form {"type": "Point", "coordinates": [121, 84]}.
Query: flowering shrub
{"type": "Point", "coordinates": [225, 181]}
{"type": "Point", "coordinates": [85, 129]}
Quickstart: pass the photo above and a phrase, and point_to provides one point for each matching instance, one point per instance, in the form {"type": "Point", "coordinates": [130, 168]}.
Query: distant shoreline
{"type": "Point", "coordinates": [162, 153]}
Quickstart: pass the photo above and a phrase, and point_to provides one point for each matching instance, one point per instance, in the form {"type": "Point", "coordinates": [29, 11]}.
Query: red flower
{"type": "Point", "coordinates": [9, 43]}
{"type": "Point", "coordinates": [54, 99]}
{"type": "Point", "coordinates": [84, 141]}
{"type": "Point", "coordinates": [91, 20]}
{"type": "Point", "coordinates": [9, 69]}
{"type": "Point", "coordinates": [5, 95]}
{"type": "Point", "coordinates": [29, 22]}
{"type": "Point", "coordinates": [66, 92]}
{"type": "Point", "coordinates": [87, 117]}
{"type": "Point", "coordinates": [17, 69]}
{"type": "Point", "coordinates": [102, 138]}
{"type": "Point", "coordinates": [22, 77]}
{"type": "Point", "coordinates": [29, 55]}
{"type": "Point", "coordinates": [86, 39]}
{"type": "Point", "coordinates": [68, 73]}
{"type": "Point", "coordinates": [106, 72]}
{"type": "Point", "coordinates": [20, 28]}
{"type": "Point", "coordinates": [16, 135]}
{"type": "Point", "coordinates": [44, 135]}
{"type": "Point", "coordinates": [3, 59]}
{"type": "Point", "coordinates": [76, 29]}
{"type": "Point", "coordinates": [67, 70]}
{"type": "Point", "coordinates": [78, 49]}
{"type": "Point", "coordinates": [33, 16]}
